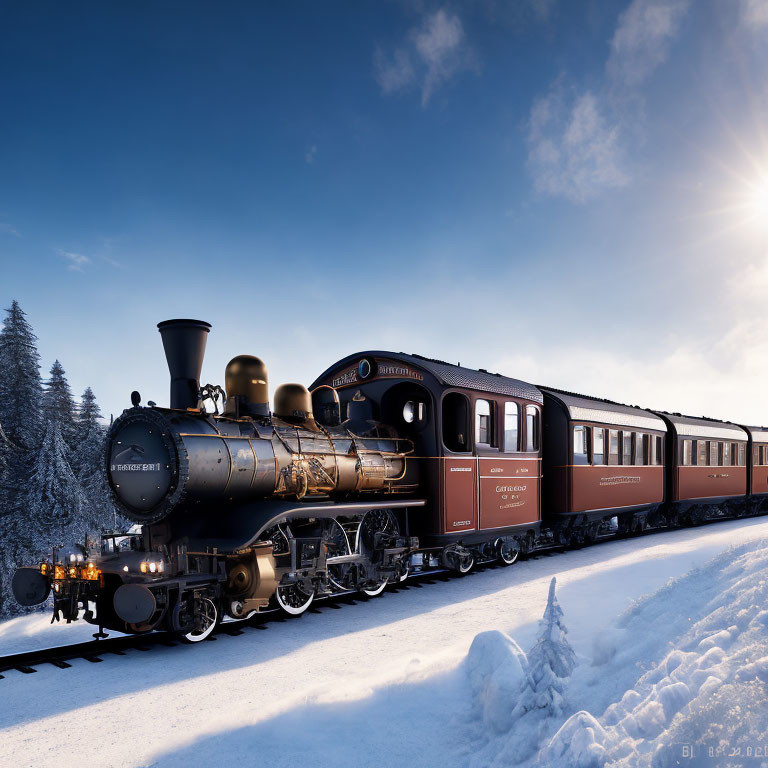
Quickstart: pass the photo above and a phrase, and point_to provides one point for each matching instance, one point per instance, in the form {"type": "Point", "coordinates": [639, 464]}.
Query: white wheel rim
{"type": "Point", "coordinates": [510, 556]}
{"type": "Point", "coordinates": [195, 637]}
{"type": "Point", "coordinates": [293, 610]}
{"type": "Point", "coordinates": [376, 590]}
{"type": "Point", "coordinates": [465, 564]}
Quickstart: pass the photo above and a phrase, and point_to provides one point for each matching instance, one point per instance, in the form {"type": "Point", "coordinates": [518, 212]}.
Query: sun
{"type": "Point", "coordinates": [758, 200]}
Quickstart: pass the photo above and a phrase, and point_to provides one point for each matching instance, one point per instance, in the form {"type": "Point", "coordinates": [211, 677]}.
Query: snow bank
{"type": "Point", "coordinates": [498, 676]}
{"type": "Point", "coordinates": [706, 696]}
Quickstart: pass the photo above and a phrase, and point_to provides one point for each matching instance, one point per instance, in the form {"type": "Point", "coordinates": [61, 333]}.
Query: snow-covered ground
{"type": "Point", "coordinates": [388, 681]}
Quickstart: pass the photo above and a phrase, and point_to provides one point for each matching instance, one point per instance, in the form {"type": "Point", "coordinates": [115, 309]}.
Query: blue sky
{"type": "Point", "coordinates": [574, 193]}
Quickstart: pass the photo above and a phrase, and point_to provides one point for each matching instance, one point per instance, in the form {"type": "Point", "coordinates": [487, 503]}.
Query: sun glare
{"type": "Point", "coordinates": [758, 204]}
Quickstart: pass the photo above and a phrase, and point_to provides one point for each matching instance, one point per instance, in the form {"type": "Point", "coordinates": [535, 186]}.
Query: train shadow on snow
{"type": "Point", "coordinates": [139, 671]}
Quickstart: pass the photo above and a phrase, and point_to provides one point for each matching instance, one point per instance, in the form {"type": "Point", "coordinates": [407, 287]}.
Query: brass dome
{"type": "Point", "coordinates": [246, 380]}
{"type": "Point", "coordinates": [293, 401]}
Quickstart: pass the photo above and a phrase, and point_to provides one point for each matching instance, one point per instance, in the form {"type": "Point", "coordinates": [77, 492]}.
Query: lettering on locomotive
{"type": "Point", "coordinates": [136, 467]}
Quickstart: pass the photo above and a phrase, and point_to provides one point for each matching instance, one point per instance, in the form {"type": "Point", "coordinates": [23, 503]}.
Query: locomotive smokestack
{"type": "Point", "coordinates": [184, 343]}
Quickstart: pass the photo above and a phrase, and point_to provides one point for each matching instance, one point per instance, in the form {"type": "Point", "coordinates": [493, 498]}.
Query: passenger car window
{"type": "Point", "coordinates": [613, 446]}
{"type": "Point", "coordinates": [626, 439]}
{"type": "Point", "coordinates": [511, 427]}
{"type": "Point", "coordinates": [580, 445]}
{"type": "Point", "coordinates": [714, 454]}
{"type": "Point", "coordinates": [641, 451]}
{"type": "Point", "coordinates": [531, 428]}
{"type": "Point", "coordinates": [598, 446]}
{"type": "Point", "coordinates": [687, 451]}
{"type": "Point", "coordinates": [701, 450]}
{"type": "Point", "coordinates": [726, 454]}
{"type": "Point", "coordinates": [483, 425]}
{"type": "Point", "coordinates": [742, 454]}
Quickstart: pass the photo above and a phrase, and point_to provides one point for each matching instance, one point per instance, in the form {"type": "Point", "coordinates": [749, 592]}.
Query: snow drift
{"type": "Point", "coordinates": [703, 699]}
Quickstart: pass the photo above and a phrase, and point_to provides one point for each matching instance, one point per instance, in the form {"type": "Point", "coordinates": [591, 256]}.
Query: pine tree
{"type": "Point", "coordinates": [59, 404]}
{"type": "Point", "coordinates": [551, 659]}
{"type": "Point", "coordinates": [88, 413]}
{"type": "Point", "coordinates": [21, 418]}
{"type": "Point", "coordinates": [54, 501]}
{"type": "Point", "coordinates": [20, 385]}
{"type": "Point", "coordinates": [99, 511]}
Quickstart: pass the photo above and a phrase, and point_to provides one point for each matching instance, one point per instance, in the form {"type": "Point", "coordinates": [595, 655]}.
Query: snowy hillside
{"type": "Point", "coordinates": [685, 670]}
{"type": "Point", "coordinates": [658, 665]}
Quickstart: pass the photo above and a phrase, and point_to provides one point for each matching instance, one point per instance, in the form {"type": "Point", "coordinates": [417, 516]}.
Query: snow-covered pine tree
{"type": "Point", "coordinates": [21, 417]}
{"type": "Point", "coordinates": [20, 385]}
{"type": "Point", "coordinates": [551, 659]}
{"type": "Point", "coordinates": [89, 461]}
{"type": "Point", "coordinates": [54, 501]}
{"type": "Point", "coordinates": [59, 404]}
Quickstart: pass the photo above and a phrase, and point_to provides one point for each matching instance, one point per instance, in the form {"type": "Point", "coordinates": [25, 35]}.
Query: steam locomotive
{"type": "Point", "coordinates": [389, 463]}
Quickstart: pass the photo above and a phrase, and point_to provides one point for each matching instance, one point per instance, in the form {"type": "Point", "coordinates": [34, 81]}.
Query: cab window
{"type": "Point", "coordinates": [483, 423]}
{"type": "Point", "coordinates": [511, 427]}
{"type": "Point", "coordinates": [531, 428]}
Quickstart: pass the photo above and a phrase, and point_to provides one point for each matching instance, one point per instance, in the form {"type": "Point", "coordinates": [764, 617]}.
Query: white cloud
{"type": "Point", "coordinates": [309, 156]}
{"type": "Point", "coordinates": [439, 45]}
{"type": "Point", "coordinates": [754, 13]}
{"type": "Point", "coordinates": [573, 149]}
{"type": "Point", "coordinates": [433, 53]}
{"type": "Point", "coordinates": [643, 37]}
{"type": "Point", "coordinates": [394, 73]}
{"type": "Point", "coordinates": [76, 261]}
{"type": "Point", "coordinates": [574, 139]}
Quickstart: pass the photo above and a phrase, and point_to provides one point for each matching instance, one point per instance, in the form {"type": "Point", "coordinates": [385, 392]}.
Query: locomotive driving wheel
{"type": "Point", "coordinates": [206, 619]}
{"type": "Point", "coordinates": [375, 521]}
{"type": "Point", "coordinates": [336, 544]}
{"type": "Point", "coordinates": [293, 599]}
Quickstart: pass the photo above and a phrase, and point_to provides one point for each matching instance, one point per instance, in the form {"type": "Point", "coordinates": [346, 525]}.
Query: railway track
{"type": "Point", "coordinates": [93, 651]}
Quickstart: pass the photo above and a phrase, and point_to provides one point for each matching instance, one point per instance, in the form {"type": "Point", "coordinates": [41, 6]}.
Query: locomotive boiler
{"type": "Point", "coordinates": [238, 508]}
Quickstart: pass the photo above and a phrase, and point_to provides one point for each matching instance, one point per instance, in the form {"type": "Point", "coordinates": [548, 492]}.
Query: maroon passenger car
{"type": "Point", "coordinates": [708, 464]}
{"type": "Point", "coordinates": [758, 466]}
{"type": "Point", "coordinates": [601, 457]}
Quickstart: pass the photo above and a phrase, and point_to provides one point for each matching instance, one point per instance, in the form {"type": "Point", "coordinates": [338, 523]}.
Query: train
{"type": "Point", "coordinates": [388, 464]}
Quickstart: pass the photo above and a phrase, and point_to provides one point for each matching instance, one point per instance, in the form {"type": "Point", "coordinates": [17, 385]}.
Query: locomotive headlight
{"type": "Point", "coordinates": [79, 558]}
{"type": "Point", "coordinates": [72, 558]}
{"type": "Point", "coordinates": [72, 572]}
{"type": "Point", "coordinates": [160, 567]}
{"type": "Point", "coordinates": [44, 568]}
{"type": "Point", "coordinates": [153, 567]}
{"type": "Point", "coordinates": [144, 567]}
